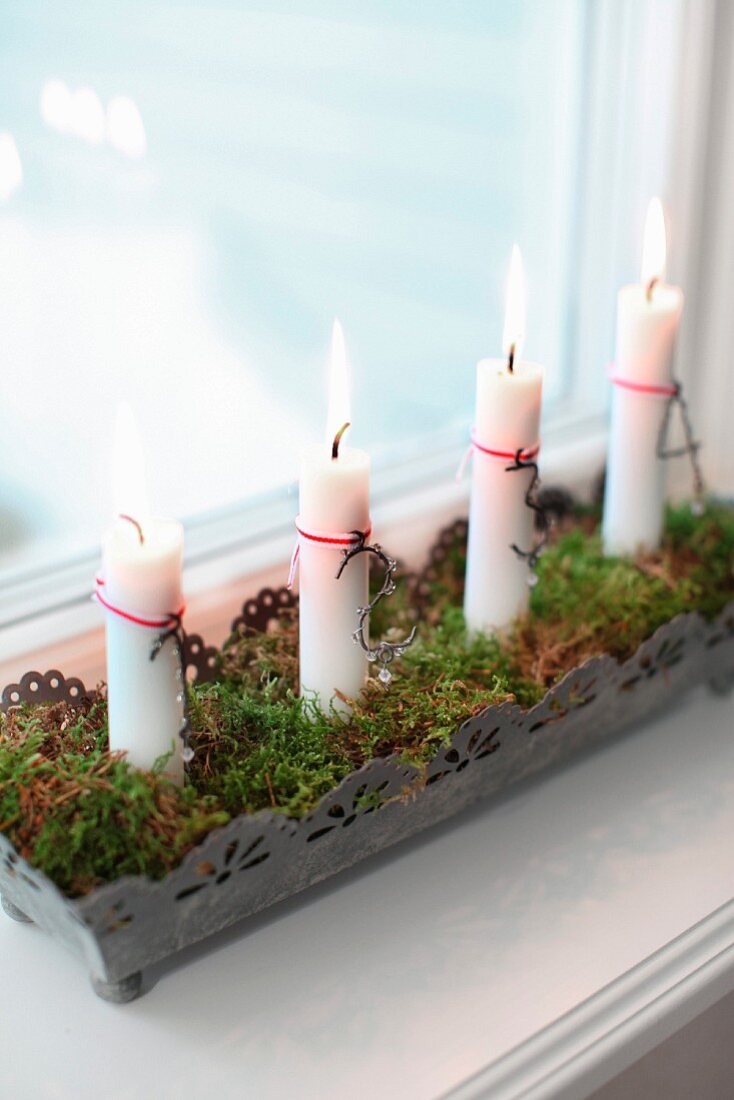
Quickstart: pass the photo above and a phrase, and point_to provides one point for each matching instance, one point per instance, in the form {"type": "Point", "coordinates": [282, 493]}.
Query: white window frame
{"type": "Point", "coordinates": [703, 168]}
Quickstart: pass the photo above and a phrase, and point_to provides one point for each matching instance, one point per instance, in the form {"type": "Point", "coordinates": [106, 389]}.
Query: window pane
{"type": "Point", "coordinates": [205, 186]}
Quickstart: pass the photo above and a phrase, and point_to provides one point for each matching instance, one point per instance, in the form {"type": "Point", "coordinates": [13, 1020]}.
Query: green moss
{"type": "Point", "coordinates": [85, 817]}
{"type": "Point", "coordinates": [255, 751]}
{"type": "Point", "coordinates": [586, 603]}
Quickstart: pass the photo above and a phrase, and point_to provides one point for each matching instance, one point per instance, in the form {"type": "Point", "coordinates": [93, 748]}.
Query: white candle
{"type": "Point", "coordinates": [509, 392]}
{"type": "Point", "coordinates": [648, 315]}
{"type": "Point", "coordinates": [334, 501]}
{"type": "Point", "coordinates": [141, 580]}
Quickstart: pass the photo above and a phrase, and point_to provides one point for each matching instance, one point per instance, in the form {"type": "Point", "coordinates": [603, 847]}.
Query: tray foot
{"type": "Point", "coordinates": [13, 911]}
{"type": "Point", "coordinates": [722, 684]}
{"type": "Point", "coordinates": [119, 993]}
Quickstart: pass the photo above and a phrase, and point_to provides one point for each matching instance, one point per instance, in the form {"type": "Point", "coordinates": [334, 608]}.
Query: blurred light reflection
{"type": "Point", "coordinates": [87, 116]}
{"type": "Point", "coordinates": [11, 169]}
{"type": "Point", "coordinates": [125, 130]}
{"type": "Point", "coordinates": [56, 106]}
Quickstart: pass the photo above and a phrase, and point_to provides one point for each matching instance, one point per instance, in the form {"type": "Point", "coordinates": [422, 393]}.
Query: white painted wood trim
{"type": "Point", "coordinates": [604, 1035]}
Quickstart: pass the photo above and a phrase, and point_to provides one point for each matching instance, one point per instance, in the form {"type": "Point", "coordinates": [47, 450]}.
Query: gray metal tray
{"type": "Point", "coordinates": [259, 859]}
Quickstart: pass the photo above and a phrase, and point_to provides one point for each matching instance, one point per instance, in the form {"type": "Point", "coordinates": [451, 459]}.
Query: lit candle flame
{"type": "Point", "coordinates": [653, 247]}
{"type": "Point", "coordinates": [339, 411]}
{"type": "Point", "coordinates": [514, 330]}
{"type": "Point", "coordinates": [130, 487]}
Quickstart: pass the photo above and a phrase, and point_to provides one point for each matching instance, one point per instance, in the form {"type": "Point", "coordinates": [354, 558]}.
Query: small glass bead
{"type": "Point", "coordinates": [532, 579]}
{"type": "Point", "coordinates": [187, 754]}
{"type": "Point", "coordinates": [698, 508]}
{"type": "Point", "coordinates": [385, 675]}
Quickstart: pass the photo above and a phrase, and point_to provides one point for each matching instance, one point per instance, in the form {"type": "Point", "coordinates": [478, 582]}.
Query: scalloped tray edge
{"type": "Point", "coordinates": [258, 859]}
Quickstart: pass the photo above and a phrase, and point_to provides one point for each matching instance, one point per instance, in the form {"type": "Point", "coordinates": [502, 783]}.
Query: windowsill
{"type": "Point", "coordinates": [50, 621]}
{"type": "Point", "coordinates": [536, 945]}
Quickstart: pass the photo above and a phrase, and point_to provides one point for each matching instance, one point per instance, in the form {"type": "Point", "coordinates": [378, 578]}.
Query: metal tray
{"type": "Point", "coordinates": [259, 859]}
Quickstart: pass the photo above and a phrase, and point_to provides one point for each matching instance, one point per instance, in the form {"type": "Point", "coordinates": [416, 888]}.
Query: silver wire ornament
{"type": "Point", "coordinates": [384, 653]}
{"type": "Point", "coordinates": [177, 633]}
{"type": "Point", "coordinates": [542, 517]}
{"type": "Point", "coordinates": [691, 447]}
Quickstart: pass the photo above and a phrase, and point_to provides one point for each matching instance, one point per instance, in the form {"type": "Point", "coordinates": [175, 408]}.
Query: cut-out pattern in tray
{"type": "Point", "coordinates": [257, 860]}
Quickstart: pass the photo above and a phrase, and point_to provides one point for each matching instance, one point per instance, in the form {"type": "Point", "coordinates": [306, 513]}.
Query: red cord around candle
{"type": "Point", "coordinates": [669, 390]}
{"type": "Point", "coordinates": [508, 456]}
{"type": "Point", "coordinates": [340, 541]}
{"type": "Point", "coordinates": [153, 624]}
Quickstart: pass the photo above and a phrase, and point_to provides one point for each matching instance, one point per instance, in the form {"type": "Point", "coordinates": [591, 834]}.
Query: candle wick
{"type": "Point", "coordinates": [337, 441]}
{"type": "Point", "coordinates": [136, 525]}
{"type": "Point", "coordinates": [511, 359]}
{"type": "Point", "coordinates": [650, 287]}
